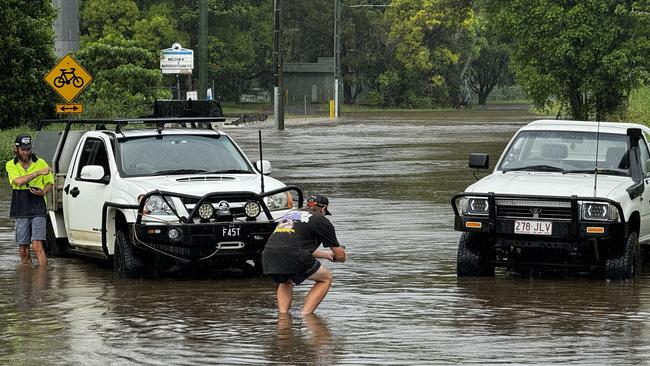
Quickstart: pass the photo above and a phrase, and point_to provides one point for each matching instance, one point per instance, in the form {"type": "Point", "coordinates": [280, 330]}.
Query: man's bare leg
{"type": "Point", "coordinates": [323, 278]}
{"type": "Point", "coordinates": [25, 258]}
{"type": "Point", "coordinates": [37, 245]}
{"type": "Point", "coordinates": [285, 296]}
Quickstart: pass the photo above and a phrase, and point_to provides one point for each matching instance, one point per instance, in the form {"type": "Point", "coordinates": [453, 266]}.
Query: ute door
{"type": "Point", "coordinates": [83, 197]}
{"type": "Point", "coordinates": [644, 160]}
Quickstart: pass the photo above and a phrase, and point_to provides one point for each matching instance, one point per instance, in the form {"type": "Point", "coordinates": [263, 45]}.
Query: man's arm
{"type": "Point", "coordinates": [41, 192]}
{"type": "Point", "coordinates": [324, 254]}
{"type": "Point", "coordinates": [19, 181]}
{"type": "Point", "coordinates": [339, 254]}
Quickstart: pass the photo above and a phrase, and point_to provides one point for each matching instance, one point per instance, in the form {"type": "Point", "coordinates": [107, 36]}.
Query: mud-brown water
{"type": "Point", "coordinates": [396, 301]}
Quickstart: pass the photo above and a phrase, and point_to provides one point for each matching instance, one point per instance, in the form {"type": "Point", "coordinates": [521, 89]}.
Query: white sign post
{"type": "Point", "coordinates": [176, 60]}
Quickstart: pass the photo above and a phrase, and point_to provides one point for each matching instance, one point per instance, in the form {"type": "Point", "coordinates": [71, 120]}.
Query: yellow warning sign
{"type": "Point", "coordinates": [69, 108]}
{"type": "Point", "coordinates": [68, 78]}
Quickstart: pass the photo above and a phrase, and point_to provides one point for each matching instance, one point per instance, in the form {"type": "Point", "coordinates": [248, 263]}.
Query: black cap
{"type": "Point", "coordinates": [23, 141]}
{"type": "Point", "coordinates": [320, 201]}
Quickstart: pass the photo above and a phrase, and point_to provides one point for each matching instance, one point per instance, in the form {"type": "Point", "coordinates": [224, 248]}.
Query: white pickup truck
{"type": "Point", "coordinates": [156, 199]}
{"type": "Point", "coordinates": [564, 194]}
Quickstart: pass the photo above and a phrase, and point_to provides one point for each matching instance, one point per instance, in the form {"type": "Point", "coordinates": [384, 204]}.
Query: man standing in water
{"type": "Point", "coordinates": [31, 180]}
{"type": "Point", "coordinates": [291, 251]}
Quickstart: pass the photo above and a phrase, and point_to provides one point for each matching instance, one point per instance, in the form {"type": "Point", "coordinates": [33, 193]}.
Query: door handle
{"type": "Point", "coordinates": [66, 189]}
{"type": "Point", "coordinates": [74, 192]}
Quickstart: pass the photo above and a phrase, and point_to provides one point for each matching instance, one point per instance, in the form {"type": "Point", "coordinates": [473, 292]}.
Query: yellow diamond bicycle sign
{"type": "Point", "coordinates": [68, 78]}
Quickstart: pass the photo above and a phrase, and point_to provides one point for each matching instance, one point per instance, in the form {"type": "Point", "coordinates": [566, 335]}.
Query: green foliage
{"type": "Point", "coordinates": [158, 28]}
{"type": "Point", "coordinates": [374, 98]}
{"type": "Point", "coordinates": [26, 55]}
{"type": "Point", "coordinates": [364, 51]}
{"type": "Point", "coordinates": [101, 18]}
{"type": "Point", "coordinates": [7, 138]}
{"type": "Point", "coordinates": [586, 55]}
{"type": "Point", "coordinates": [639, 106]}
{"type": "Point", "coordinates": [433, 41]}
{"type": "Point", "coordinates": [490, 66]}
{"type": "Point", "coordinates": [126, 78]}
{"type": "Point", "coordinates": [240, 47]}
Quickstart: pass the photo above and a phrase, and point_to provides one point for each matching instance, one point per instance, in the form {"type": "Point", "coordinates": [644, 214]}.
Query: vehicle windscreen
{"type": "Point", "coordinates": [180, 154]}
{"type": "Point", "coordinates": [567, 152]}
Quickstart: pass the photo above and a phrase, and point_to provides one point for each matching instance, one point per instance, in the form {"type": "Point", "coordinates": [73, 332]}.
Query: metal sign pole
{"type": "Point", "coordinates": [278, 107]}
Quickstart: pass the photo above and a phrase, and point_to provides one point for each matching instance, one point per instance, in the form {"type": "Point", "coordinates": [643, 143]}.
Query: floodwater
{"type": "Point", "coordinates": [396, 301]}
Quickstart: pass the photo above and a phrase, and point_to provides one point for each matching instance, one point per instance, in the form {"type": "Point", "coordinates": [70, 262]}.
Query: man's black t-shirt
{"type": "Point", "coordinates": [290, 247]}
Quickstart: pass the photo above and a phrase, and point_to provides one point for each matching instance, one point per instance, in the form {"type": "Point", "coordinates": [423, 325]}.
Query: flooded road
{"type": "Point", "coordinates": [396, 301]}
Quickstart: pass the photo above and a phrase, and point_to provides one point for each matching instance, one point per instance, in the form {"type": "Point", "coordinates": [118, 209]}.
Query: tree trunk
{"type": "Point", "coordinates": [482, 98]}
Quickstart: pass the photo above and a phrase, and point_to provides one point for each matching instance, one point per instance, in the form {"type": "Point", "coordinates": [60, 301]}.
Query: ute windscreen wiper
{"type": "Point", "coordinates": [179, 171]}
{"type": "Point", "coordinates": [230, 171]}
{"type": "Point", "coordinates": [600, 171]}
{"type": "Point", "coordinates": [540, 167]}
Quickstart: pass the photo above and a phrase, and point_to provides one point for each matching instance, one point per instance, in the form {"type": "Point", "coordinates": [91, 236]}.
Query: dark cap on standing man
{"type": "Point", "coordinates": [320, 201]}
{"type": "Point", "coordinates": [23, 141]}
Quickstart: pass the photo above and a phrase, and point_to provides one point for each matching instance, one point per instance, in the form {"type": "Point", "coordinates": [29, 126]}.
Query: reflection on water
{"type": "Point", "coordinates": [305, 341]}
{"type": "Point", "coordinates": [397, 300]}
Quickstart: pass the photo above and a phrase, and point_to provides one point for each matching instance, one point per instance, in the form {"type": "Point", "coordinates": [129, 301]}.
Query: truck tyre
{"type": "Point", "coordinates": [125, 263]}
{"type": "Point", "coordinates": [473, 260]}
{"type": "Point", "coordinates": [258, 271]}
{"type": "Point", "coordinates": [625, 265]}
{"type": "Point", "coordinates": [54, 247]}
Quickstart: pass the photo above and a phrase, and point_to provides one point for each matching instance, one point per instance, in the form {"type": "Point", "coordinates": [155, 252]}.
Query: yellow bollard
{"type": "Point", "coordinates": [331, 109]}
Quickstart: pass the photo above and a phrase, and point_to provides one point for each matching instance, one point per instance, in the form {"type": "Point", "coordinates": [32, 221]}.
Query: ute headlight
{"type": "Point", "coordinates": [474, 206]}
{"type": "Point", "coordinates": [156, 205]}
{"type": "Point", "coordinates": [252, 209]}
{"type": "Point", "coordinates": [279, 201]}
{"type": "Point", "coordinates": [599, 211]}
{"type": "Point", "coordinates": [206, 210]}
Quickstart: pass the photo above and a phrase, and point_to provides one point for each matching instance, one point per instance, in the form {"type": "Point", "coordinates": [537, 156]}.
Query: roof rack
{"type": "Point", "coordinates": [100, 124]}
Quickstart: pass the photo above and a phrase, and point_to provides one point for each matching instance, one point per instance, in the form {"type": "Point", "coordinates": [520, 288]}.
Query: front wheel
{"type": "Point", "coordinates": [625, 265]}
{"type": "Point", "coordinates": [125, 263]}
{"type": "Point", "coordinates": [475, 258]}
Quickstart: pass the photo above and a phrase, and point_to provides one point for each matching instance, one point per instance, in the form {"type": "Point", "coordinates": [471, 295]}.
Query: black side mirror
{"type": "Point", "coordinates": [479, 160]}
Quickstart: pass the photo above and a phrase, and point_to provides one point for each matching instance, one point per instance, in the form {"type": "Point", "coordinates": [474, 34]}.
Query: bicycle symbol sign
{"type": "Point", "coordinates": [68, 78]}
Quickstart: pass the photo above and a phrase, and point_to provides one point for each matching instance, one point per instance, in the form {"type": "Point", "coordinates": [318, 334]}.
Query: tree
{"type": "Point", "coordinates": [100, 18]}
{"type": "Point", "coordinates": [125, 81]}
{"type": "Point", "coordinates": [587, 55]}
{"type": "Point", "coordinates": [308, 35]}
{"type": "Point", "coordinates": [365, 52]}
{"type": "Point", "coordinates": [240, 47]}
{"type": "Point", "coordinates": [433, 42]}
{"type": "Point", "coordinates": [26, 55]}
{"type": "Point", "coordinates": [490, 66]}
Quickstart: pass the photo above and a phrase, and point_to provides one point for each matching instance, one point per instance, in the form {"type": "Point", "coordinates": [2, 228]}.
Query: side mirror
{"type": "Point", "coordinates": [479, 160]}
{"type": "Point", "coordinates": [93, 173]}
{"type": "Point", "coordinates": [263, 166]}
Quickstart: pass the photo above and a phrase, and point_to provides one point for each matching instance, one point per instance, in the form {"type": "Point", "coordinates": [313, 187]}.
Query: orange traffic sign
{"type": "Point", "coordinates": [68, 78]}
{"type": "Point", "coordinates": [69, 108]}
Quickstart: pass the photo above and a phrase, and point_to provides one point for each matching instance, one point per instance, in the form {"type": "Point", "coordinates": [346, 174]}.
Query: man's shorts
{"type": "Point", "coordinates": [30, 228]}
{"type": "Point", "coordinates": [296, 278]}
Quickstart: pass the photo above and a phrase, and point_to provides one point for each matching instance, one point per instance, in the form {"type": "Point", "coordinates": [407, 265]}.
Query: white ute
{"type": "Point", "coordinates": [156, 199]}
{"type": "Point", "coordinates": [568, 195]}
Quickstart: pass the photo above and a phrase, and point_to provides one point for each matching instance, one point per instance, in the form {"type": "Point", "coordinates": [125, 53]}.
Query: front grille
{"type": "Point", "coordinates": [533, 209]}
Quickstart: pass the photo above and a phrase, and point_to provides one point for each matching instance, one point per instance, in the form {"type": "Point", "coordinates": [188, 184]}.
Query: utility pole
{"type": "Point", "coordinates": [278, 106]}
{"type": "Point", "coordinates": [203, 50]}
{"type": "Point", "coordinates": [66, 26]}
{"type": "Point", "coordinates": [337, 56]}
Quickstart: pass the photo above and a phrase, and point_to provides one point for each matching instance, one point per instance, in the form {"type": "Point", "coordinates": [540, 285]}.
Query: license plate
{"type": "Point", "coordinates": [534, 227]}
{"type": "Point", "coordinates": [230, 231]}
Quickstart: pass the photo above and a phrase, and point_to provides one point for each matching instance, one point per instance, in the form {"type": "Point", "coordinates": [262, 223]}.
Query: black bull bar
{"type": "Point", "coordinates": [491, 217]}
{"type": "Point", "coordinates": [241, 196]}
